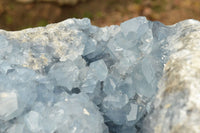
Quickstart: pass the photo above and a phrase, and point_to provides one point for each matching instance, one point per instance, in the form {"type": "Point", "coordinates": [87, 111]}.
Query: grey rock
{"type": "Point", "coordinates": [177, 104]}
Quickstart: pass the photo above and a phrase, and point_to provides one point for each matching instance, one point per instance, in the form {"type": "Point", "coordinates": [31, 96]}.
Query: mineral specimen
{"type": "Point", "coordinates": [77, 78]}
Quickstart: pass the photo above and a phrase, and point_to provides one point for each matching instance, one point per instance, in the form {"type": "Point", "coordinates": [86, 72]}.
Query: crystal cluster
{"type": "Point", "coordinates": [77, 78]}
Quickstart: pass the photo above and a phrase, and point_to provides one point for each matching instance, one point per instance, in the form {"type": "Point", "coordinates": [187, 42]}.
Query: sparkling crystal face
{"type": "Point", "coordinates": [77, 78]}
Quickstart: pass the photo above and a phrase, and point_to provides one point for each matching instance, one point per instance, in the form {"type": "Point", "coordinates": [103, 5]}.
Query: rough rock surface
{"type": "Point", "coordinates": [78, 78]}
{"type": "Point", "coordinates": [177, 105]}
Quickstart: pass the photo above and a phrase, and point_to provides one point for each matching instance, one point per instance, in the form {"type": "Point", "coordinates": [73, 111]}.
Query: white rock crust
{"type": "Point", "coordinates": [177, 105]}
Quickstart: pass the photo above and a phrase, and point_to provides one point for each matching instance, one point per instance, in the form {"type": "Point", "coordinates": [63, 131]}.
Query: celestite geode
{"type": "Point", "coordinates": [72, 77]}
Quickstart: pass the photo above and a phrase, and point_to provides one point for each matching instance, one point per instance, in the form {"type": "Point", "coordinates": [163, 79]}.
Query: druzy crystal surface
{"type": "Point", "coordinates": [72, 77]}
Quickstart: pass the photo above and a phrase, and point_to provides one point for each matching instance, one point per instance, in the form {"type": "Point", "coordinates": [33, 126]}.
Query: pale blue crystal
{"type": "Point", "coordinates": [32, 120]}
{"type": "Point", "coordinates": [9, 104]}
{"type": "Point", "coordinates": [133, 113]}
{"type": "Point", "coordinates": [16, 128]}
{"type": "Point", "coordinates": [99, 69]}
{"type": "Point", "coordinates": [64, 74]}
